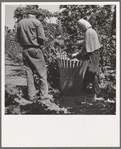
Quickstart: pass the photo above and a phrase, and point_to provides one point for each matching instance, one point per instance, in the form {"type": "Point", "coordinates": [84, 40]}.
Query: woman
{"type": "Point", "coordinates": [90, 52]}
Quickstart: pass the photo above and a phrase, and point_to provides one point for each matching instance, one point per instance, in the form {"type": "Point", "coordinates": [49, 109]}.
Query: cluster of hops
{"type": "Point", "coordinates": [19, 12]}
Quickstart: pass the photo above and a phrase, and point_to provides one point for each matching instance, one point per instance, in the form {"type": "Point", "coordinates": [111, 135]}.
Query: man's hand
{"type": "Point", "coordinates": [45, 40]}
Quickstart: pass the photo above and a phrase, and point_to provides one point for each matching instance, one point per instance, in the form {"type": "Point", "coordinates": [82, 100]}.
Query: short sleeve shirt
{"type": "Point", "coordinates": [30, 32]}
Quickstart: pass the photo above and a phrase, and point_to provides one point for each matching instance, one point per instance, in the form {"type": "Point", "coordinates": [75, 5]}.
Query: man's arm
{"type": "Point", "coordinates": [41, 34]}
{"type": "Point", "coordinates": [18, 35]}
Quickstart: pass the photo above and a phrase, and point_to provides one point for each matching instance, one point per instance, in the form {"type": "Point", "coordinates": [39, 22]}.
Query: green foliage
{"type": "Point", "coordinates": [66, 31]}
{"type": "Point", "coordinates": [22, 12]}
{"type": "Point", "coordinates": [19, 12]}
{"type": "Point", "coordinates": [102, 19]}
{"type": "Point", "coordinates": [114, 22]}
{"type": "Point", "coordinates": [12, 48]}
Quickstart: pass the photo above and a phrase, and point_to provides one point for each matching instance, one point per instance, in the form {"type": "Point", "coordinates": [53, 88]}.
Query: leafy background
{"type": "Point", "coordinates": [63, 33]}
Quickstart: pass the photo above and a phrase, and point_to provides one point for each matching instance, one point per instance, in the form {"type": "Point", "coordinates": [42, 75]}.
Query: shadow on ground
{"type": "Point", "coordinates": [87, 104]}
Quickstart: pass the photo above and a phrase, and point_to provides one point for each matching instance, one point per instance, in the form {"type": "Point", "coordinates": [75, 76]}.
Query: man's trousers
{"type": "Point", "coordinates": [33, 59]}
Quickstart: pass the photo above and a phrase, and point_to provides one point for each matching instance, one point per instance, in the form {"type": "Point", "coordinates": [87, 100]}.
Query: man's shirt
{"type": "Point", "coordinates": [30, 32]}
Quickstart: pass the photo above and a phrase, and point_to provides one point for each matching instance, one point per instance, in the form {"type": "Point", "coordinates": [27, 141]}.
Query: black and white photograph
{"type": "Point", "coordinates": [61, 59]}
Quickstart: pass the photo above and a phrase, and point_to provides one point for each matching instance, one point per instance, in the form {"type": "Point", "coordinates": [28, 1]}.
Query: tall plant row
{"type": "Point", "coordinates": [66, 31]}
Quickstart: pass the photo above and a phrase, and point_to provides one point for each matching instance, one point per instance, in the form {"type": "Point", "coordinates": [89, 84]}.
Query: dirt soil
{"type": "Point", "coordinates": [16, 97]}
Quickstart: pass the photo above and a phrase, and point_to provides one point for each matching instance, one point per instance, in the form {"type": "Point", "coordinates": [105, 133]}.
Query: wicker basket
{"type": "Point", "coordinates": [71, 75]}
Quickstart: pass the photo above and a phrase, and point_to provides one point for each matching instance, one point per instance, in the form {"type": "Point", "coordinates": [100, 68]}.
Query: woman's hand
{"type": "Point", "coordinates": [74, 55]}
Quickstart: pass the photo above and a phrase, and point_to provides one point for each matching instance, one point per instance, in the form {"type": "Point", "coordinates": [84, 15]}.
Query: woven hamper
{"type": "Point", "coordinates": [71, 75]}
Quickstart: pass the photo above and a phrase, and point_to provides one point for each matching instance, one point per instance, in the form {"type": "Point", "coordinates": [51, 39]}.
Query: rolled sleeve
{"type": "Point", "coordinates": [18, 35]}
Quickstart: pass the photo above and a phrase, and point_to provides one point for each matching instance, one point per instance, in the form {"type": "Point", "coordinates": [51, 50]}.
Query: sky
{"type": "Point", "coordinates": [9, 11]}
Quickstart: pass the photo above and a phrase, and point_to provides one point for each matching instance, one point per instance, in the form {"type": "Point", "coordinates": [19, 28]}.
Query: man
{"type": "Point", "coordinates": [31, 35]}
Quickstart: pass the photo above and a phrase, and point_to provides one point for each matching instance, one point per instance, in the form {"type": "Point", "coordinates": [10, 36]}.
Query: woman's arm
{"type": "Point", "coordinates": [79, 43]}
{"type": "Point", "coordinates": [81, 51]}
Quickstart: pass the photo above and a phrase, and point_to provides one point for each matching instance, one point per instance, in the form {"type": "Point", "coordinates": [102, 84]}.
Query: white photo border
{"type": "Point", "coordinates": [65, 130]}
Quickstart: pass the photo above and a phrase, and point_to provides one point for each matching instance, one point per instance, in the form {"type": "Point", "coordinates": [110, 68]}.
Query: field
{"type": "Point", "coordinates": [16, 97]}
{"type": "Point", "coordinates": [64, 33]}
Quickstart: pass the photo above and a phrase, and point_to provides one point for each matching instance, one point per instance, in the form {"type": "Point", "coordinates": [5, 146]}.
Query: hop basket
{"type": "Point", "coordinates": [71, 75]}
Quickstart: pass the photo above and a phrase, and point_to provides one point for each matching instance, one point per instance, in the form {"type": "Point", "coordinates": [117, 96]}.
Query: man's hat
{"type": "Point", "coordinates": [33, 11]}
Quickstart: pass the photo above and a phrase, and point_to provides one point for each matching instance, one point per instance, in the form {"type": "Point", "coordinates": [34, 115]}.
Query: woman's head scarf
{"type": "Point", "coordinates": [84, 23]}
{"type": "Point", "coordinates": [91, 38]}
